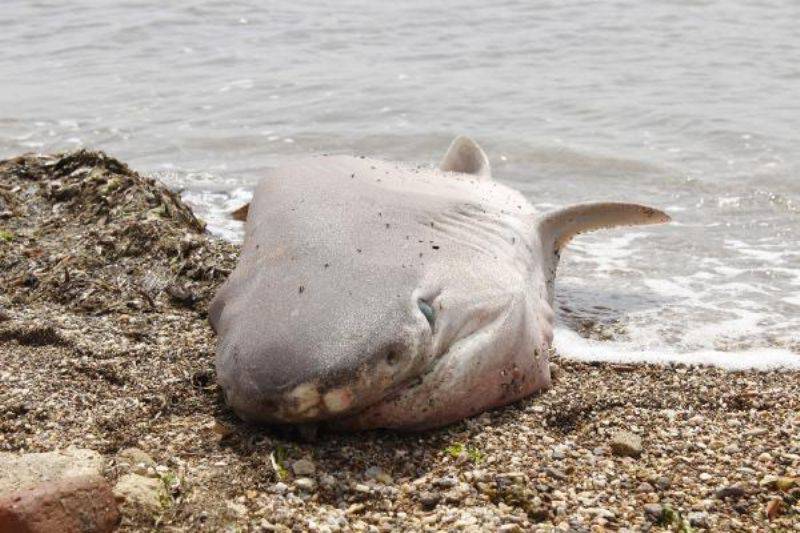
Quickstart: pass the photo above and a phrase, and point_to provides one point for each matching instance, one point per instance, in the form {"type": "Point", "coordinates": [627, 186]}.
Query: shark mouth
{"type": "Point", "coordinates": [476, 331]}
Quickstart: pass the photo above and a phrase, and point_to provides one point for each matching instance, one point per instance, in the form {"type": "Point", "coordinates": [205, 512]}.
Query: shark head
{"type": "Point", "coordinates": [371, 294]}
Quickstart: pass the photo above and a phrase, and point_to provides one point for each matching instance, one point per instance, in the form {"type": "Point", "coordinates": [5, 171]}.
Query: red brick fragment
{"type": "Point", "coordinates": [83, 504]}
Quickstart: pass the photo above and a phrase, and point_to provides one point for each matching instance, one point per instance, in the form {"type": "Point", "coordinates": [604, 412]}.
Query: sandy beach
{"type": "Point", "coordinates": [105, 345]}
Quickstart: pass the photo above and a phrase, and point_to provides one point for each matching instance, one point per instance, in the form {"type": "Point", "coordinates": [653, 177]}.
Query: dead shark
{"type": "Point", "coordinates": [371, 294]}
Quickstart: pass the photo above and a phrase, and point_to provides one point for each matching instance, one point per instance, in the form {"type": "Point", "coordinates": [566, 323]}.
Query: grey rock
{"type": "Point", "coordinates": [731, 491]}
{"type": "Point", "coordinates": [698, 519]}
{"type": "Point", "coordinates": [136, 461]}
{"type": "Point", "coordinates": [626, 444]}
{"type": "Point", "coordinates": [445, 482]}
{"type": "Point", "coordinates": [305, 483]}
{"type": "Point", "coordinates": [22, 470]}
{"type": "Point", "coordinates": [429, 500]}
{"type": "Point", "coordinates": [653, 511]}
{"type": "Point", "coordinates": [141, 493]}
{"type": "Point", "coordinates": [303, 468]}
{"type": "Point", "coordinates": [378, 474]}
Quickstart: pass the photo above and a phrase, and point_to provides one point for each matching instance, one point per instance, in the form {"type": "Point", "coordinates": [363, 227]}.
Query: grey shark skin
{"type": "Point", "coordinates": [371, 294]}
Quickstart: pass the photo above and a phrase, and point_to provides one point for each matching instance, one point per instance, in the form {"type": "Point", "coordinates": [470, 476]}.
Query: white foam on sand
{"type": "Point", "coordinates": [572, 346]}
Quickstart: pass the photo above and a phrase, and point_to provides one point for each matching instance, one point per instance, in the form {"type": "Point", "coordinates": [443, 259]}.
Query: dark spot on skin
{"type": "Point", "coordinates": [327, 265]}
{"type": "Point", "coordinates": [435, 247]}
{"type": "Point", "coordinates": [387, 225]}
{"type": "Point", "coordinates": [353, 175]}
{"type": "Point", "coordinates": [358, 250]}
{"type": "Point", "coordinates": [300, 289]}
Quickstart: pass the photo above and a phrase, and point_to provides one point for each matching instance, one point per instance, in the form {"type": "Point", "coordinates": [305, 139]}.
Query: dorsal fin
{"type": "Point", "coordinates": [241, 213]}
{"type": "Point", "coordinates": [464, 155]}
{"type": "Point", "coordinates": [556, 228]}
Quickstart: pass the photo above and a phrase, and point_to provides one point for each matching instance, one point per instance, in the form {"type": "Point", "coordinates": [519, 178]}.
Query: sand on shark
{"type": "Point", "coordinates": [374, 294]}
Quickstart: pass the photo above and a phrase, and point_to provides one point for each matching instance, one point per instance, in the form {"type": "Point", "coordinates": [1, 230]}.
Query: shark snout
{"type": "Point", "coordinates": [285, 378]}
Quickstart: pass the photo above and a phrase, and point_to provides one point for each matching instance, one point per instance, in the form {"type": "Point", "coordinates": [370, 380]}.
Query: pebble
{"type": "Point", "coordinates": [731, 448]}
{"type": "Point", "coordinates": [653, 511]}
{"type": "Point", "coordinates": [304, 468]}
{"type": "Point", "coordinates": [663, 483]}
{"type": "Point", "coordinates": [305, 483]}
{"type": "Point", "coordinates": [141, 493]}
{"type": "Point", "coordinates": [697, 519]}
{"type": "Point", "coordinates": [378, 474]}
{"type": "Point", "coordinates": [696, 420]}
{"type": "Point", "coordinates": [445, 482]}
{"type": "Point", "coordinates": [626, 444]}
{"type": "Point", "coordinates": [136, 461]}
{"type": "Point", "coordinates": [731, 491]}
{"type": "Point", "coordinates": [774, 508]}
{"type": "Point", "coordinates": [429, 500]}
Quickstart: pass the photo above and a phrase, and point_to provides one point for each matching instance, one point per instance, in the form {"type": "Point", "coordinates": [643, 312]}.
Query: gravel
{"type": "Point", "coordinates": [105, 345]}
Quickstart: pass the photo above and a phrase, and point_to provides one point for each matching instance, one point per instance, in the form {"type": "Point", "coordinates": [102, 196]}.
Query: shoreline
{"type": "Point", "coordinates": [104, 345]}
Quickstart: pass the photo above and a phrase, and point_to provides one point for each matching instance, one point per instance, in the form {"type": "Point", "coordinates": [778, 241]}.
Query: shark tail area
{"type": "Point", "coordinates": [556, 228]}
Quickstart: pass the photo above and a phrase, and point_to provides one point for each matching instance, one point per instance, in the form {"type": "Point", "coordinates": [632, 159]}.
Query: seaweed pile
{"type": "Point", "coordinates": [85, 231]}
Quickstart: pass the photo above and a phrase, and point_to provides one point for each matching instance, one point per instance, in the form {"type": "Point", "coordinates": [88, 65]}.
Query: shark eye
{"type": "Point", "coordinates": [427, 310]}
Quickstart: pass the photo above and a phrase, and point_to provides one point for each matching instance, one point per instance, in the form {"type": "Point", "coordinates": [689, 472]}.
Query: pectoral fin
{"type": "Point", "coordinates": [559, 226]}
{"type": "Point", "coordinates": [556, 228]}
